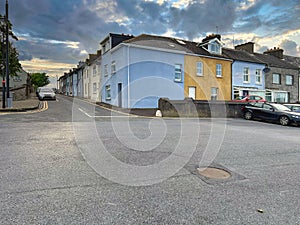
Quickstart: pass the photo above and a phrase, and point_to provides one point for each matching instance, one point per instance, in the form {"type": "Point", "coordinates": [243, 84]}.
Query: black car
{"type": "Point", "coordinates": [293, 107]}
{"type": "Point", "coordinates": [270, 112]}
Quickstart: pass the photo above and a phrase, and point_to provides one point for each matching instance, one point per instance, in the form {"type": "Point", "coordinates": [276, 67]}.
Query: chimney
{"type": "Point", "coordinates": [248, 47]}
{"type": "Point", "coordinates": [277, 52]}
{"type": "Point", "coordinates": [212, 36]}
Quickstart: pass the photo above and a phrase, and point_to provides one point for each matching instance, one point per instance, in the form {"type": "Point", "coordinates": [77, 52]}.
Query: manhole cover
{"type": "Point", "coordinates": [213, 173]}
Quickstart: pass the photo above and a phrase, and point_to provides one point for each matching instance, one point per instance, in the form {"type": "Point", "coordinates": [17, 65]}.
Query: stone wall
{"type": "Point", "coordinates": [198, 108]}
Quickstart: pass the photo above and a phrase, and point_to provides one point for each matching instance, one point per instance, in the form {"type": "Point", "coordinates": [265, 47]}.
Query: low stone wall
{"type": "Point", "coordinates": [18, 93]}
{"type": "Point", "coordinates": [198, 108]}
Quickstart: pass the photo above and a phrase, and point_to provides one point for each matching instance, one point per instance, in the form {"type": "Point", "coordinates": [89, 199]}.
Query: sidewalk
{"type": "Point", "coordinates": [21, 106]}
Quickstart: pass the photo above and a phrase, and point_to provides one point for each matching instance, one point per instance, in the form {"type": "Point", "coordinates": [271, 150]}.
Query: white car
{"type": "Point", "coordinates": [46, 93]}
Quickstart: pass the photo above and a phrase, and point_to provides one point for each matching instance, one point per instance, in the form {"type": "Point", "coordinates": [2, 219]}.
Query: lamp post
{"type": "Point", "coordinates": [2, 22]}
{"type": "Point", "coordinates": [7, 50]}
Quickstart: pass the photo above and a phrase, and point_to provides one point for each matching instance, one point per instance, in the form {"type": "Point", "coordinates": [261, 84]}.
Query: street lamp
{"type": "Point", "coordinates": [2, 23]}
{"type": "Point", "coordinates": [7, 51]}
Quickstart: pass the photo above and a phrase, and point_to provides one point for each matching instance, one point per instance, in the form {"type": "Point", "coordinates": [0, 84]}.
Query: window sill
{"type": "Point", "coordinates": [178, 81]}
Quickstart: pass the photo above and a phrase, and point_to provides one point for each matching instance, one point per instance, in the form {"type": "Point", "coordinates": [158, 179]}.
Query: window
{"type": "Point", "coordinates": [85, 89]}
{"type": "Point", "coordinates": [199, 69]}
{"type": "Point", "coordinates": [214, 47]}
{"type": "Point", "coordinates": [107, 92]}
{"type": "Point", "coordinates": [246, 75]}
{"type": "Point", "coordinates": [258, 76]}
{"type": "Point", "coordinates": [289, 79]}
{"type": "Point", "coordinates": [113, 67]}
{"type": "Point", "coordinates": [267, 107]}
{"type": "Point", "coordinates": [94, 88]}
{"type": "Point", "coordinates": [281, 97]}
{"type": "Point", "coordinates": [86, 74]}
{"type": "Point", "coordinates": [276, 78]}
{"type": "Point", "coordinates": [178, 73]}
{"type": "Point", "coordinates": [105, 70]}
{"type": "Point", "coordinates": [219, 70]}
{"type": "Point", "coordinates": [214, 93]}
{"type": "Point", "coordinates": [94, 70]}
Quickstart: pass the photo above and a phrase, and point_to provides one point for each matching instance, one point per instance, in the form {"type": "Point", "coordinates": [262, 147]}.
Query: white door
{"type": "Point", "coordinates": [192, 92]}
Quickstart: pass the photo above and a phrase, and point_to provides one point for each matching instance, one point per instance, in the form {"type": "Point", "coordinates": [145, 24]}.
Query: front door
{"type": "Point", "coordinates": [120, 95]}
{"type": "Point", "coordinates": [192, 92]}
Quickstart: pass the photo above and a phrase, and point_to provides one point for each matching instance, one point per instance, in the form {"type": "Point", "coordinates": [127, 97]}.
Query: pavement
{"type": "Point", "coordinates": [23, 105]}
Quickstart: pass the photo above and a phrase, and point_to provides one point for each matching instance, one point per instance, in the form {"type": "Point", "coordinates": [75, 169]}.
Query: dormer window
{"type": "Point", "coordinates": [214, 47]}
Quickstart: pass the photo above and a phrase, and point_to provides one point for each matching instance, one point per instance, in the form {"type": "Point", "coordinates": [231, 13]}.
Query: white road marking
{"type": "Point", "coordinates": [84, 112]}
{"type": "Point", "coordinates": [88, 115]}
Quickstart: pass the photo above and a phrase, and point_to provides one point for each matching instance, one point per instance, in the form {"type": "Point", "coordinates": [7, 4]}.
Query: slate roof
{"type": "Point", "coordinates": [273, 61]}
{"type": "Point", "coordinates": [241, 55]}
{"type": "Point", "coordinates": [158, 42]}
{"type": "Point", "coordinates": [171, 44]}
{"type": "Point", "coordinates": [293, 60]}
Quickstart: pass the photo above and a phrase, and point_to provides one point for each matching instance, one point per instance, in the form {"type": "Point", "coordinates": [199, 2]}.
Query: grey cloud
{"type": "Point", "coordinates": [72, 20]}
{"type": "Point", "coordinates": [290, 47]}
{"type": "Point", "coordinates": [203, 17]}
{"type": "Point", "coordinates": [24, 55]}
{"type": "Point", "coordinates": [248, 24]}
{"type": "Point", "coordinates": [260, 17]}
{"type": "Point", "coordinates": [45, 50]}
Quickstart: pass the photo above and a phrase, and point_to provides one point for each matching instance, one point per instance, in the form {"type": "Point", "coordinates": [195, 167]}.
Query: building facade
{"type": "Point", "coordinates": [138, 72]}
{"type": "Point", "coordinates": [248, 77]}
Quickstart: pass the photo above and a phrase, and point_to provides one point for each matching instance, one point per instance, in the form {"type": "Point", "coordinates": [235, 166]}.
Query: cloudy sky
{"type": "Point", "coordinates": [55, 34]}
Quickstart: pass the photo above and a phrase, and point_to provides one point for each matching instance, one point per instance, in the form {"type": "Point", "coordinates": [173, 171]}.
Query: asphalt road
{"type": "Point", "coordinates": [55, 168]}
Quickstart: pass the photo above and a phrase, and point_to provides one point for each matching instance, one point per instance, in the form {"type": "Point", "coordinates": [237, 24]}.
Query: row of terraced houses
{"type": "Point", "coordinates": [134, 72]}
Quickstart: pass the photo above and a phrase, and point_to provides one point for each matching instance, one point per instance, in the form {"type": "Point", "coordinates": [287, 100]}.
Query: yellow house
{"type": "Point", "coordinates": [207, 72]}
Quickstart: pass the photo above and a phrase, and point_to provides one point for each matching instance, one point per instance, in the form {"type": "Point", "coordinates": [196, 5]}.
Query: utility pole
{"type": "Point", "coordinates": [2, 69]}
{"type": "Point", "coordinates": [2, 23]}
{"type": "Point", "coordinates": [7, 50]}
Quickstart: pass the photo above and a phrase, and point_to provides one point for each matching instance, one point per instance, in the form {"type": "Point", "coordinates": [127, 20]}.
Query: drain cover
{"type": "Point", "coordinates": [213, 173]}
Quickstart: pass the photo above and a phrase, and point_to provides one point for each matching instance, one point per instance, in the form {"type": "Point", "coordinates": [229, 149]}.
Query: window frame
{"type": "Point", "coordinates": [94, 70]}
{"type": "Point", "coordinates": [113, 67]}
{"type": "Point", "coordinates": [199, 69]}
{"type": "Point", "coordinates": [286, 80]}
{"type": "Point", "coordinates": [258, 75]}
{"type": "Point", "coordinates": [219, 70]}
{"type": "Point", "coordinates": [106, 70]}
{"type": "Point", "coordinates": [176, 79]}
{"type": "Point", "coordinates": [247, 81]}
{"type": "Point", "coordinates": [107, 92]}
{"type": "Point", "coordinates": [279, 78]}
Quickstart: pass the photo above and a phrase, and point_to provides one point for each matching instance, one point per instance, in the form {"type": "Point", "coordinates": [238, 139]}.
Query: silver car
{"type": "Point", "coordinates": [46, 93]}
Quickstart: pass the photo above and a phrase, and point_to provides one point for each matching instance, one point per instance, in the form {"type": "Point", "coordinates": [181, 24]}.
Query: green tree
{"type": "Point", "coordinates": [14, 64]}
{"type": "Point", "coordinates": [39, 79]}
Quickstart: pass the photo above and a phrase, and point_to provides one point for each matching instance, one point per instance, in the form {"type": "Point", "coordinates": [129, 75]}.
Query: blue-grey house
{"type": "Point", "coordinates": [248, 77]}
{"type": "Point", "coordinates": [139, 71]}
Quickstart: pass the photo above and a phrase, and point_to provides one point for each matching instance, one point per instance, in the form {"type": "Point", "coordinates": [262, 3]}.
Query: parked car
{"type": "Point", "coordinates": [271, 112]}
{"type": "Point", "coordinates": [250, 98]}
{"type": "Point", "coordinates": [46, 93]}
{"type": "Point", "coordinates": [293, 107]}
{"type": "Point", "coordinates": [37, 91]}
